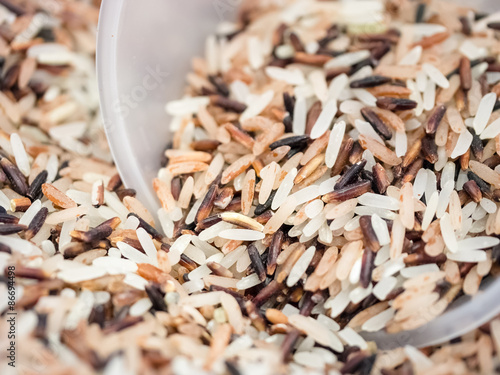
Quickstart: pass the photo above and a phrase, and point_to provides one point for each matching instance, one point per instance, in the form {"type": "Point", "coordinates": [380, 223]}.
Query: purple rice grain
{"type": "Point", "coordinates": [37, 223]}
{"type": "Point", "coordinates": [476, 145]}
{"type": "Point", "coordinates": [412, 170]}
{"type": "Point", "coordinates": [255, 316]}
{"type": "Point", "coordinates": [289, 102]}
{"type": "Point", "coordinates": [156, 296]}
{"type": "Point", "coordinates": [483, 185]}
{"type": "Point", "coordinates": [492, 161]}
{"type": "Point", "coordinates": [219, 270]}
{"type": "Point", "coordinates": [367, 266]}
{"type": "Point", "coordinates": [420, 258]}
{"type": "Point", "coordinates": [288, 122]}
{"type": "Point", "coordinates": [392, 36]}
{"type": "Point", "coordinates": [483, 83]}
{"type": "Point", "coordinates": [466, 26]}
{"type": "Point", "coordinates": [224, 197]}
{"type": "Point", "coordinates": [348, 192]}
{"type": "Point", "coordinates": [257, 263]}
{"type": "Point", "coordinates": [429, 149]}
{"type": "Point", "coordinates": [74, 249]}
{"type": "Point", "coordinates": [122, 193]}
{"type": "Point", "coordinates": [230, 105]}
{"type": "Point", "coordinates": [188, 263]}
{"type": "Point", "coordinates": [312, 116]}
{"type": "Point", "coordinates": [120, 325]}
{"type": "Point", "coordinates": [239, 298]}
{"type": "Point", "coordinates": [369, 61]}
{"type": "Point", "coordinates": [279, 35]}
{"type": "Point", "coordinates": [332, 33]}
{"type": "Point", "coordinates": [96, 234]}
{"type": "Point", "coordinates": [16, 178]}
{"type": "Point", "coordinates": [473, 190]}
{"type": "Point", "coordinates": [369, 236]}
{"type": "Point", "coordinates": [175, 187]}
{"type": "Point", "coordinates": [334, 72]}
{"type": "Point", "coordinates": [147, 227]}
{"type": "Point", "coordinates": [396, 104]}
{"type": "Point", "coordinates": [380, 179]}
{"type": "Point", "coordinates": [353, 364]}
{"type": "Point", "coordinates": [371, 81]}
{"type": "Point", "coordinates": [219, 85]}
{"type": "Point", "coordinates": [14, 8]}
{"type": "Point", "coordinates": [274, 251]}
{"type": "Point", "coordinates": [268, 292]}
{"type": "Point", "coordinates": [379, 52]}
{"type": "Point", "coordinates": [261, 208]}
{"type": "Point", "coordinates": [10, 77]}
{"type": "Point", "coordinates": [114, 182]}
{"type": "Point", "coordinates": [3, 177]}
{"type": "Point", "coordinates": [435, 118]}
{"type": "Point", "coordinates": [342, 157]}
{"type": "Point", "coordinates": [296, 43]}
{"type": "Point", "coordinates": [8, 219]}
{"type": "Point", "coordinates": [5, 249]}
{"type": "Point", "coordinates": [6, 229]}
{"type": "Point", "coordinates": [350, 175]}
{"type": "Point", "coordinates": [376, 122]}
{"type": "Point", "coordinates": [494, 25]}
{"type": "Point", "coordinates": [232, 367]}
{"type": "Point", "coordinates": [235, 204]}
{"type": "Point", "coordinates": [420, 13]}
{"type": "Point", "coordinates": [205, 91]}
{"type": "Point", "coordinates": [98, 315]}
{"type": "Point", "coordinates": [356, 153]}
{"type": "Point", "coordinates": [264, 217]}
{"type": "Point", "coordinates": [207, 204]}
{"type": "Point", "coordinates": [297, 141]}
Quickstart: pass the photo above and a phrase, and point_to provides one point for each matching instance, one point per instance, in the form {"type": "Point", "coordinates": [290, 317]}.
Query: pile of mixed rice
{"type": "Point", "coordinates": [327, 178]}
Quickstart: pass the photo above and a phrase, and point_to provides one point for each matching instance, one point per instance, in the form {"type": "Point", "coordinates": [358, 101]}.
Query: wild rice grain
{"type": "Point", "coordinates": [434, 119]}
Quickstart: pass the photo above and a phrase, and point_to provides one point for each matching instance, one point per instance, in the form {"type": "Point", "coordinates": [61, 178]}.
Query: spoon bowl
{"type": "Point", "coordinates": [144, 54]}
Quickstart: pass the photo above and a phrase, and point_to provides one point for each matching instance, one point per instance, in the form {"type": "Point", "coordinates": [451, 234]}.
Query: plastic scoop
{"type": "Point", "coordinates": [144, 54]}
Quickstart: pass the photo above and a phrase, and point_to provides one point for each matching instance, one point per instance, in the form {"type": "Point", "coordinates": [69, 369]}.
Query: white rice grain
{"type": "Point", "coordinates": [347, 59]}
{"type": "Point", "coordinates": [299, 116]}
{"type": "Point", "coordinates": [435, 75]}
{"type": "Point", "coordinates": [411, 272]}
{"type": "Point", "coordinates": [20, 154]}
{"type": "Point", "coordinates": [381, 230]}
{"type": "Point", "coordinates": [300, 267]}
{"type": "Point", "coordinates": [463, 144]}
{"type": "Point", "coordinates": [292, 76]}
{"type": "Point", "coordinates": [334, 143]}
{"type": "Point", "coordinates": [379, 321]}
{"type": "Point", "coordinates": [491, 131]}
{"type": "Point", "coordinates": [484, 112]}
{"type": "Point", "coordinates": [384, 287]}
{"type": "Point", "coordinates": [448, 233]}
{"type": "Point", "coordinates": [241, 234]}
{"type": "Point", "coordinates": [325, 119]}
{"type": "Point", "coordinates": [132, 253]}
{"type": "Point", "coordinates": [470, 256]}
{"type": "Point", "coordinates": [379, 201]}
{"type": "Point", "coordinates": [284, 189]}
{"type": "Point", "coordinates": [412, 57]}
